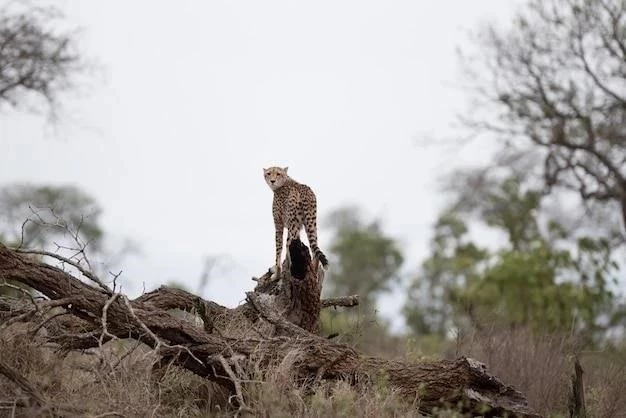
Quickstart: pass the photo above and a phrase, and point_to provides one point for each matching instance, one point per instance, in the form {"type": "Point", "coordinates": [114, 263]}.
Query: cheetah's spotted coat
{"type": "Point", "coordinates": [294, 207]}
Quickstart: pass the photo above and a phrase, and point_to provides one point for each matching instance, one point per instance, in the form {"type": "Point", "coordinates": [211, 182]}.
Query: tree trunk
{"type": "Point", "coordinates": [577, 408]}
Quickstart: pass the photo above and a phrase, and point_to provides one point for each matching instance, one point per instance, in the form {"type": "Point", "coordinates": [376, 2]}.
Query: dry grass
{"type": "Point", "coordinates": [540, 366]}
{"type": "Point", "coordinates": [605, 380]}
{"type": "Point", "coordinates": [280, 396]}
{"type": "Point", "coordinates": [364, 332]}
{"type": "Point", "coordinates": [97, 382]}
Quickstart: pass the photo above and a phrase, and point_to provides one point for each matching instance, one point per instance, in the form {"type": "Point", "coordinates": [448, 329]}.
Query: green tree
{"type": "Point", "coordinates": [365, 260]}
{"type": "Point", "coordinates": [38, 216]}
{"type": "Point", "coordinates": [454, 260]}
{"type": "Point", "coordinates": [552, 90]}
{"type": "Point", "coordinates": [544, 277]}
{"type": "Point", "coordinates": [53, 218]}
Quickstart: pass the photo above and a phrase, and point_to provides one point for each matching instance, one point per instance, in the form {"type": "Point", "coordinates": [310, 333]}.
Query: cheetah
{"type": "Point", "coordinates": [294, 206]}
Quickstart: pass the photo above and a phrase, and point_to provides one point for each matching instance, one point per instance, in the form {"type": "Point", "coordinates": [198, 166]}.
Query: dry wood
{"type": "Point", "coordinates": [270, 326]}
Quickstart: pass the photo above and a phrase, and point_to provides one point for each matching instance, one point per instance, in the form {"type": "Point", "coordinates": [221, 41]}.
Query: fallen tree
{"type": "Point", "coordinates": [280, 318]}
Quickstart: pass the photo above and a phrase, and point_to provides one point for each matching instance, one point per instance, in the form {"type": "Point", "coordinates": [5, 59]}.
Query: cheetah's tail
{"type": "Point", "coordinates": [320, 256]}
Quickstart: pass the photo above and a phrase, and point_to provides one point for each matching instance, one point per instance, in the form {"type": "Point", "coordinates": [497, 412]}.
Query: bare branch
{"type": "Point", "coordinates": [345, 301]}
{"type": "Point", "coordinates": [88, 274]}
{"type": "Point", "coordinates": [105, 332]}
{"type": "Point", "coordinates": [554, 82]}
{"type": "Point", "coordinates": [236, 382]}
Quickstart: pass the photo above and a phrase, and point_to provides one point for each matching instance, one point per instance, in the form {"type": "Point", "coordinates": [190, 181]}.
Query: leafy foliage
{"type": "Point", "coordinates": [367, 261]}
{"type": "Point", "coordinates": [454, 261]}
{"type": "Point", "coordinates": [41, 217]}
{"type": "Point", "coordinates": [35, 215]}
{"type": "Point", "coordinates": [545, 277]}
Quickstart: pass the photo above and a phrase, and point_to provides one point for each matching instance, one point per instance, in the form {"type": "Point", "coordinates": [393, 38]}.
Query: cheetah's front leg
{"type": "Point", "coordinates": [279, 247]}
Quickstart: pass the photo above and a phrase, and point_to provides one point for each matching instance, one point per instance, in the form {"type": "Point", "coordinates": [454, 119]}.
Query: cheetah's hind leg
{"type": "Point", "coordinates": [287, 262]}
{"type": "Point", "coordinates": [275, 276]}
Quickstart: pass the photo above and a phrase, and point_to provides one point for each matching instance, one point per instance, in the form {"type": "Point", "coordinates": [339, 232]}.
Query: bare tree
{"type": "Point", "coordinates": [554, 86]}
{"type": "Point", "coordinates": [37, 60]}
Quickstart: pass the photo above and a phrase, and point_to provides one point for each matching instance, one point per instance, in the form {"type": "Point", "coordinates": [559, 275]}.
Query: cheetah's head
{"type": "Point", "coordinates": [275, 176]}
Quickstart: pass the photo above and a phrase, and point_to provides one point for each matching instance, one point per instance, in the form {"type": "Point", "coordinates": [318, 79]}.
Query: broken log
{"type": "Point", "coordinates": [270, 326]}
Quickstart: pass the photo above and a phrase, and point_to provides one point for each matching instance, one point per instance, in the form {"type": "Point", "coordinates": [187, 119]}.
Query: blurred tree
{"type": "Point", "coordinates": [552, 88]}
{"type": "Point", "coordinates": [37, 216]}
{"type": "Point", "coordinates": [37, 59]}
{"type": "Point", "coordinates": [50, 217]}
{"type": "Point", "coordinates": [366, 261]}
{"type": "Point", "coordinates": [545, 277]}
{"type": "Point", "coordinates": [454, 260]}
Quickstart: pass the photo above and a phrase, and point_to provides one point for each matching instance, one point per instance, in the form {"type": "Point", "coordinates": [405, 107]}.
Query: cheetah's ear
{"type": "Point", "coordinates": [285, 169]}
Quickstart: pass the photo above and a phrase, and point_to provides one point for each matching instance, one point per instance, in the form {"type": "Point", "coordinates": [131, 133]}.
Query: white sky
{"type": "Point", "coordinates": [199, 96]}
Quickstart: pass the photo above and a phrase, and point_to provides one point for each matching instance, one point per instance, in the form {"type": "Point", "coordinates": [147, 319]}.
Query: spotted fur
{"type": "Point", "coordinates": [294, 207]}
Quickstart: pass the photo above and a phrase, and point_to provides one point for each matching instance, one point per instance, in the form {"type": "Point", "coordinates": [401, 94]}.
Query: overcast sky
{"type": "Point", "coordinates": [196, 97]}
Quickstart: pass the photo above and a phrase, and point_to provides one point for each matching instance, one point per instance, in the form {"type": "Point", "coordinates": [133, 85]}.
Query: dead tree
{"type": "Point", "coordinates": [551, 88]}
{"type": "Point", "coordinates": [280, 318]}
